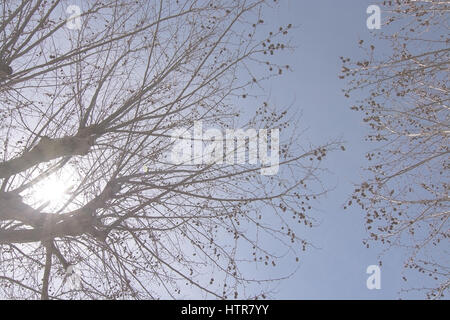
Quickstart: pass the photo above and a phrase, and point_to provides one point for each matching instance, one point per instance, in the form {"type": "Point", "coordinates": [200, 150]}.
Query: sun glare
{"type": "Point", "coordinates": [54, 191]}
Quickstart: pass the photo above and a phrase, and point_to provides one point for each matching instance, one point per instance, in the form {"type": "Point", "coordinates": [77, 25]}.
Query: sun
{"type": "Point", "coordinates": [55, 190]}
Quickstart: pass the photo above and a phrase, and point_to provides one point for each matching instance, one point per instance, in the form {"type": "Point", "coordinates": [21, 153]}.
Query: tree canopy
{"type": "Point", "coordinates": [406, 194]}
{"type": "Point", "coordinates": [88, 191]}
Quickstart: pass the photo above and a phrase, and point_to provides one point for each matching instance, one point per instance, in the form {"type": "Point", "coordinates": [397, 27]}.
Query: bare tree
{"type": "Point", "coordinates": [406, 195]}
{"type": "Point", "coordinates": [88, 106]}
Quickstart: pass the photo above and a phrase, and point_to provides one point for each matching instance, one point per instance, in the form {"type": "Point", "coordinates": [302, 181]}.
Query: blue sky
{"type": "Point", "coordinates": [326, 30]}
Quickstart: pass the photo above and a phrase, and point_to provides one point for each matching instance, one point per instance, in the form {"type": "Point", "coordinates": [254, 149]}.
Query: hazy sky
{"type": "Point", "coordinates": [328, 29]}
